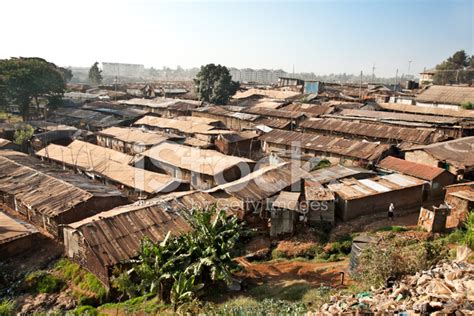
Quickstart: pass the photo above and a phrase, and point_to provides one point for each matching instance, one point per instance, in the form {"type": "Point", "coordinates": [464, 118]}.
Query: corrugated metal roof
{"type": "Point", "coordinates": [311, 110]}
{"type": "Point", "coordinates": [216, 110]}
{"type": "Point", "coordinates": [184, 126]}
{"type": "Point", "coordinates": [379, 131]}
{"type": "Point", "coordinates": [13, 228]}
{"type": "Point", "coordinates": [327, 144]}
{"type": "Point", "coordinates": [354, 189]}
{"type": "Point", "coordinates": [4, 142]}
{"type": "Point", "coordinates": [115, 235]}
{"type": "Point", "coordinates": [135, 135]}
{"type": "Point", "coordinates": [205, 161]}
{"type": "Point", "coordinates": [446, 95]}
{"type": "Point", "coordinates": [399, 107]}
{"type": "Point", "coordinates": [279, 113]}
{"type": "Point", "coordinates": [287, 200]}
{"type": "Point", "coordinates": [162, 103]}
{"type": "Point", "coordinates": [465, 195]}
{"type": "Point", "coordinates": [263, 183]}
{"type": "Point", "coordinates": [458, 152]}
{"type": "Point", "coordinates": [270, 93]}
{"type": "Point", "coordinates": [326, 175]}
{"type": "Point", "coordinates": [393, 116]}
{"type": "Point", "coordinates": [37, 190]}
{"type": "Point", "coordinates": [274, 122]}
{"type": "Point", "coordinates": [410, 168]}
{"type": "Point", "coordinates": [109, 164]}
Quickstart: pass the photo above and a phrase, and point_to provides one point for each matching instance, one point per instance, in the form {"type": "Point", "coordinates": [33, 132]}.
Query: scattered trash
{"type": "Point", "coordinates": [444, 289]}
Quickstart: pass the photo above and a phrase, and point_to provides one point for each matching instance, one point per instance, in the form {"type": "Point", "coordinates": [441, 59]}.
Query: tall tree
{"type": "Point", "coordinates": [95, 74]}
{"type": "Point", "coordinates": [23, 80]}
{"type": "Point", "coordinates": [455, 69]}
{"type": "Point", "coordinates": [214, 84]}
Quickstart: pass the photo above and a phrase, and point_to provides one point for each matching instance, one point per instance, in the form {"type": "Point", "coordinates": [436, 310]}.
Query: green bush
{"type": "Point", "coordinates": [23, 134]}
{"type": "Point", "coordinates": [395, 258]}
{"type": "Point", "coordinates": [7, 307]}
{"type": "Point", "coordinates": [395, 229]}
{"type": "Point", "coordinates": [468, 106]}
{"type": "Point", "coordinates": [43, 282]}
{"type": "Point", "coordinates": [203, 254]}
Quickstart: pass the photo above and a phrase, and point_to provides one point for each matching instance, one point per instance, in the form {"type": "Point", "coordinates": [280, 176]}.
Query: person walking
{"type": "Point", "coordinates": [391, 211]}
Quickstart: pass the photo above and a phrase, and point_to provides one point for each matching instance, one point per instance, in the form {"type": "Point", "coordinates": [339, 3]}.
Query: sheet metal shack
{"type": "Point", "coordinates": [99, 242]}
{"type": "Point", "coordinates": [336, 149]}
{"type": "Point", "coordinates": [355, 198]}
{"type": "Point", "coordinates": [112, 167]}
{"type": "Point", "coordinates": [456, 156]}
{"type": "Point", "coordinates": [16, 236]}
{"type": "Point", "coordinates": [48, 197]}
{"type": "Point", "coordinates": [436, 178]}
{"type": "Point", "coordinates": [460, 199]}
{"type": "Point", "coordinates": [204, 168]}
{"type": "Point", "coordinates": [131, 140]}
{"type": "Point", "coordinates": [388, 134]}
{"type": "Point", "coordinates": [232, 119]}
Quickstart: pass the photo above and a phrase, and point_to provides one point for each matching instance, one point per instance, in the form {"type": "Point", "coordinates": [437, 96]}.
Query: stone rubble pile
{"type": "Point", "coordinates": [445, 289]}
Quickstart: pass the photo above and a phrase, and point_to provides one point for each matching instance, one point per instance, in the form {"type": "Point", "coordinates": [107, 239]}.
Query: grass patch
{"type": "Point", "coordinates": [7, 307]}
{"type": "Point", "coordinates": [86, 310]}
{"type": "Point", "coordinates": [89, 290]}
{"type": "Point", "coordinates": [43, 282]}
{"type": "Point", "coordinates": [395, 229]}
{"type": "Point", "coordinates": [147, 304]}
{"type": "Point", "coordinates": [286, 290]}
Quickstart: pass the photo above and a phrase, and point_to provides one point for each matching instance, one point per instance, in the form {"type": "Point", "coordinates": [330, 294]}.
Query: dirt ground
{"type": "Point", "coordinates": [316, 274]}
{"type": "Point", "coordinates": [373, 222]}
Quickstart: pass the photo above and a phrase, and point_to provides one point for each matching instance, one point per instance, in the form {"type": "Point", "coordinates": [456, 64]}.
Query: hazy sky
{"type": "Point", "coordinates": [316, 36]}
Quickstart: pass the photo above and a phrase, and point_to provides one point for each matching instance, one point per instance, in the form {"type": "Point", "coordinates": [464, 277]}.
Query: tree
{"type": "Point", "coordinates": [23, 80]}
{"type": "Point", "coordinates": [66, 73]}
{"type": "Point", "coordinates": [455, 69]}
{"type": "Point", "coordinates": [95, 74]}
{"type": "Point", "coordinates": [214, 84]}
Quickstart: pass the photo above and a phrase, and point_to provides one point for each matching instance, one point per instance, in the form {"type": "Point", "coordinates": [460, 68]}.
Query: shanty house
{"type": "Point", "coordinates": [165, 107]}
{"type": "Point", "coordinates": [258, 190]}
{"type": "Point", "coordinates": [355, 198]}
{"type": "Point", "coordinates": [385, 133]}
{"type": "Point", "coordinates": [460, 199]}
{"type": "Point", "coordinates": [232, 119]}
{"type": "Point", "coordinates": [319, 203]}
{"type": "Point", "coordinates": [448, 97]}
{"type": "Point", "coordinates": [47, 197]}
{"type": "Point", "coordinates": [112, 167]}
{"type": "Point", "coordinates": [284, 212]}
{"type": "Point", "coordinates": [335, 149]}
{"type": "Point", "coordinates": [454, 155]}
{"type": "Point", "coordinates": [16, 236]}
{"type": "Point", "coordinates": [436, 178]}
{"type": "Point", "coordinates": [102, 241]}
{"type": "Point", "coordinates": [204, 168]}
{"type": "Point", "coordinates": [131, 140]}
{"type": "Point", "coordinates": [241, 144]}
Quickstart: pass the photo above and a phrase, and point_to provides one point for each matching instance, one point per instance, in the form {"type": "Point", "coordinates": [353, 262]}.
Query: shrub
{"type": "Point", "coordinates": [277, 254]}
{"type": "Point", "coordinates": [7, 307]}
{"type": "Point", "coordinates": [203, 254]}
{"type": "Point", "coordinates": [395, 258]}
{"type": "Point", "coordinates": [468, 106]}
{"type": "Point", "coordinates": [23, 134]}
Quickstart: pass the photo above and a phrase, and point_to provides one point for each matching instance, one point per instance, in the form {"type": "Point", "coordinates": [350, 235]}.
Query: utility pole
{"type": "Point", "coordinates": [373, 73]}
{"type": "Point", "coordinates": [396, 80]}
{"type": "Point", "coordinates": [293, 70]}
{"type": "Point", "coordinates": [360, 86]}
{"type": "Point", "coordinates": [409, 64]}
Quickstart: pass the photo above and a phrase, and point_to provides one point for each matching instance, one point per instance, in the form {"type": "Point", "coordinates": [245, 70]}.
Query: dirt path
{"type": "Point", "coordinates": [326, 273]}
